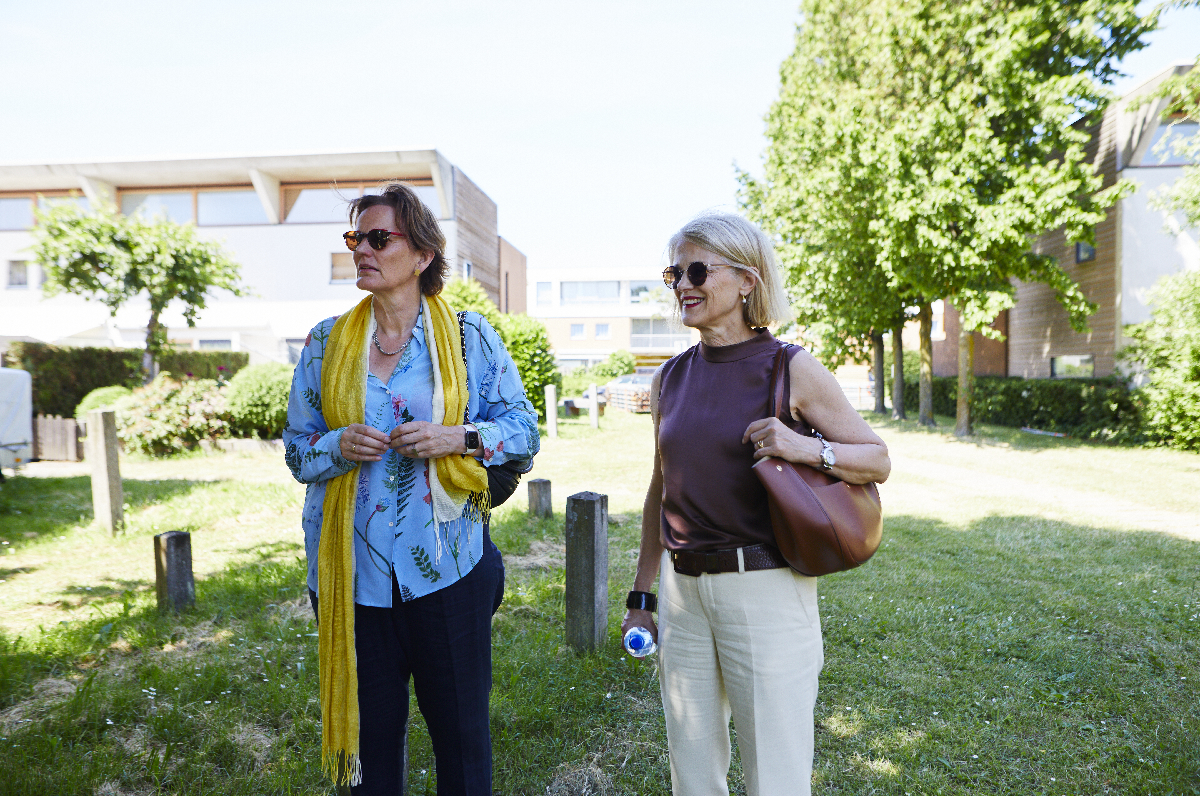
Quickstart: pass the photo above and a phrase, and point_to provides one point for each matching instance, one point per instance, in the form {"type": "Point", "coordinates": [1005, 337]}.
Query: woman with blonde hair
{"type": "Point", "coordinates": [740, 631]}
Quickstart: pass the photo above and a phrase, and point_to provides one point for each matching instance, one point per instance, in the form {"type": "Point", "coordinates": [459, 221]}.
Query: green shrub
{"type": "Point", "coordinates": [169, 416]}
{"type": "Point", "coordinates": [63, 376]}
{"type": "Point", "coordinates": [1167, 347]}
{"type": "Point", "coordinates": [467, 295]}
{"type": "Point", "coordinates": [100, 397]}
{"type": "Point", "coordinates": [1087, 408]}
{"type": "Point", "coordinates": [258, 400]}
{"type": "Point", "coordinates": [618, 364]}
{"type": "Point", "coordinates": [529, 345]}
{"type": "Point", "coordinates": [219, 365]}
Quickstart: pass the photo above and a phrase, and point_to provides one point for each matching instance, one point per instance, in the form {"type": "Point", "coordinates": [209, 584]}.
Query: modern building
{"type": "Point", "coordinates": [1135, 246]}
{"type": "Point", "coordinates": [280, 217]}
{"type": "Point", "coordinates": [625, 308]}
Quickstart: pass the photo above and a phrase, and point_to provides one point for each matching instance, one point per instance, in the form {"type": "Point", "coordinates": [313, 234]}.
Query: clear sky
{"type": "Point", "coordinates": [598, 128]}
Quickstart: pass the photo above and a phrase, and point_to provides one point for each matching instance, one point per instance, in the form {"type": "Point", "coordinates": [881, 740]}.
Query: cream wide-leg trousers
{"type": "Point", "coordinates": [746, 644]}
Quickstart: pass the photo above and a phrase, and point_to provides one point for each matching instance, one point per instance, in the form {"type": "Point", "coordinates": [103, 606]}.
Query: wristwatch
{"type": "Point", "coordinates": [472, 440]}
{"type": "Point", "coordinates": [828, 457]}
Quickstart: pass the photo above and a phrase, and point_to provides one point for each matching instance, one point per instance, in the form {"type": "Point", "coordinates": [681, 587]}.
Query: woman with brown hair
{"type": "Point", "coordinates": [397, 407]}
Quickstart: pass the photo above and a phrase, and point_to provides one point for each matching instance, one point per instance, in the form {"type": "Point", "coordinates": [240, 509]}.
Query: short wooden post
{"type": "Point", "coordinates": [173, 571]}
{"type": "Point", "coordinates": [108, 498]}
{"type": "Point", "coordinates": [552, 410]}
{"type": "Point", "coordinates": [587, 570]}
{"type": "Point", "coordinates": [539, 498]}
{"type": "Point", "coordinates": [594, 409]}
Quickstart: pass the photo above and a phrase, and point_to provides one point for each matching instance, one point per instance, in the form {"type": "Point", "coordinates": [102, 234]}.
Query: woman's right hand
{"type": "Point", "coordinates": [362, 443]}
{"type": "Point", "coordinates": [636, 618]}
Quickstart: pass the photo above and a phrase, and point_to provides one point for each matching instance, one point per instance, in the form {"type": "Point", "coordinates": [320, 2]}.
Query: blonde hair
{"type": "Point", "coordinates": [742, 243]}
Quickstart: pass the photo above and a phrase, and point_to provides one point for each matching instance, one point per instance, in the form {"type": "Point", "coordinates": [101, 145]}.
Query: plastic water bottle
{"type": "Point", "coordinates": [639, 643]}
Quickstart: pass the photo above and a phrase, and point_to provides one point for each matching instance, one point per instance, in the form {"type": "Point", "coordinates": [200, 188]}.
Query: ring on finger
{"type": "Point", "coordinates": [353, 448]}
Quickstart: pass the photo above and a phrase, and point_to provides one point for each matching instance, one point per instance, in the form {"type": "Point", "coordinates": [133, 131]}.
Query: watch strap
{"type": "Point", "coordinates": [641, 601]}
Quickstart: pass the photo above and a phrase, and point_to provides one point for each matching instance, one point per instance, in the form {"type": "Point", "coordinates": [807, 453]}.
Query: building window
{"type": "Point", "coordinates": [506, 291]}
{"type": "Point", "coordinates": [602, 332]}
{"type": "Point", "coordinates": [318, 205]}
{"type": "Point", "coordinates": [18, 274]}
{"type": "Point", "coordinates": [1072, 367]}
{"type": "Point", "coordinates": [16, 212]}
{"type": "Point", "coordinates": [656, 333]}
{"type": "Point", "coordinates": [1084, 252]}
{"type": "Point", "coordinates": [342, 267]}
{"type": "Point", "coordinates": [468, 267]}
{"type": "Point", "coordinates": [216, 345]}
{"type": "Point", "coordinates": [543, 292]}
{"type": "Point", "coordinates": [577, 331]}
{"type": "Point", "coordinates": [590, 292]}
{"type": "Point", "coordinates": [639, 292]}
{"type": "Point", "coordinates": [229, 208]}
{"type": "Point", "coordinates": [46, 202]}
{"type": "Point", "coordinates": [1170, 144]}
{"type": "Point", "coordinates": [176, 206]}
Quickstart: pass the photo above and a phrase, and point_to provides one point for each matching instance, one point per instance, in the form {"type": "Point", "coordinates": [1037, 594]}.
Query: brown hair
{"type": "Point", "coordinates": [419, 224]}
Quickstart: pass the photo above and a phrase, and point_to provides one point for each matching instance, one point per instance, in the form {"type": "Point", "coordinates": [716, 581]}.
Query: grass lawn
{"type": "Point", "coordinates": [1031, 625]}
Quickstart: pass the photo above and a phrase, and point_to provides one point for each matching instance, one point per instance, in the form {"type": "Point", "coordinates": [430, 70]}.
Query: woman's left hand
{"type": "Point", "coordinates": [772, 438]}
{"type": "Point", "coordinates": [421, 439]}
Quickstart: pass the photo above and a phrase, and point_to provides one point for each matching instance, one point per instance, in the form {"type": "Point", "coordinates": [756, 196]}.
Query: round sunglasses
{"type": "Point", "coordinates": [378, 238]}
{"type": "Point", "coordinates": [697, 273]}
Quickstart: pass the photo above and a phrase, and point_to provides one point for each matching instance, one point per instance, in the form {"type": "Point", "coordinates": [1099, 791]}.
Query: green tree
{"type": "Point", "coordinates": [528, 343]}
{"type": "Point", "coordinates": [931, 141]}
{"type": "Point", "coordinates": [112, 258]}
{"type": "Point", "coordinates": [1184, 195]}
{"type": "Point", "coordinates": [467, 295]}
{"type": "Point", "coordinates": [1168, 348]}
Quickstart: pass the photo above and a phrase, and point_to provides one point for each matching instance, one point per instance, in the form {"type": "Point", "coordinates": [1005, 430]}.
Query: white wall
{"type": "Point", "coordinates": [1153, 243]}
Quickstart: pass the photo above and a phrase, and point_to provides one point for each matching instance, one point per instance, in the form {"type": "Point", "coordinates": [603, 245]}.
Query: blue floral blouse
{"type": "Point", "coordinates": [394, 528]}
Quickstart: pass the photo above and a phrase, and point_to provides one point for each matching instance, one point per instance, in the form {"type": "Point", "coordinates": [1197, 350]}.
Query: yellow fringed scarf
{"type": "Point", "coordinates": [461, 480]}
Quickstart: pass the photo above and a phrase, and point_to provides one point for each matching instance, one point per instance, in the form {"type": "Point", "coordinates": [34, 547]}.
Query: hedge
{"type": "Point", "coordinates": [1088, 408]}
{"type": "Point", "coordinates": [220, 365]}
{"type": "Point", "coordinates": [62, 376]}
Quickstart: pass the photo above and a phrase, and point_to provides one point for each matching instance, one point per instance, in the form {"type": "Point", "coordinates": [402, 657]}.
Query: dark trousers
{"type": "Point", "coordinates": [444, 642]}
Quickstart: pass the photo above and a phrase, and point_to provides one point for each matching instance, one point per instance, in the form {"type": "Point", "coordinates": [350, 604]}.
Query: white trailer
{"type": "Point", "coordinates": [16, 418]}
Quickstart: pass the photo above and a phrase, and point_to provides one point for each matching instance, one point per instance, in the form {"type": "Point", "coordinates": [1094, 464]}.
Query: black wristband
{"type": "Point", "coordinates": [641, 601]}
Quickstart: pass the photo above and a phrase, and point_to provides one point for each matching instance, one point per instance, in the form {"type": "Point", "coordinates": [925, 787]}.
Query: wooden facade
{"type": "Point", "coordinates": [476, 217]}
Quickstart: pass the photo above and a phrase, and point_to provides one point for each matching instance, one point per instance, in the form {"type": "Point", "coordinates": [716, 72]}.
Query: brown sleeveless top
{"type": "Point", "coordinates": [707, 396]}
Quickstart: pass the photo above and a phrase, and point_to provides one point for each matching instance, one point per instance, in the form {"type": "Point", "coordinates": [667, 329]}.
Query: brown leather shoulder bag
{"type": "Point", "coordinates": [821, 524]}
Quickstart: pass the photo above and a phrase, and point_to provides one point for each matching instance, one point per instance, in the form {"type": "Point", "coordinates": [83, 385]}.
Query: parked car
{"type": "Point", "coordinates": [630, 392]}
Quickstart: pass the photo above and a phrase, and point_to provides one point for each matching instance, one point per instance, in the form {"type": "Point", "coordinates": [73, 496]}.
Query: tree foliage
{"type": "Point", "coordinates": [467, 295]}
{"type": "Point", "coordinates": [106, 256]}
{"type": "Point", "coordinates": [1167, 347]}
{"type": "Point", "coordinates": [1184, 195]}
{"type": "Point", "coordinates": [919, 146]}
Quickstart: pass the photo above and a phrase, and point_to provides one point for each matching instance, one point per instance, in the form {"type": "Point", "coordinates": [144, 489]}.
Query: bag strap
{"type": "Point", "coordinates": [779, 374]}
{"type": "Point", "coordinates": [462, 334]}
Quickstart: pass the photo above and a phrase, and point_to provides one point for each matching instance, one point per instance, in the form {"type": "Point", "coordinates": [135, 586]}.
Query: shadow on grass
{"type": "Point", "coordinates": [53, 506]}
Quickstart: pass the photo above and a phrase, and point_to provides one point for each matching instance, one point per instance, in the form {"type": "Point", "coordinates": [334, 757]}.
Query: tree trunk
{"type": "Point", "coordinates": [966, 380]}
{"type": "Point", "coordinates": [925, 414]}
{"type": "Point", "coordinates": [153, 333]}
{"type": "Point", "coordinates": [880, 386]}
{"type": "Point", "coordinates": [898, 412]}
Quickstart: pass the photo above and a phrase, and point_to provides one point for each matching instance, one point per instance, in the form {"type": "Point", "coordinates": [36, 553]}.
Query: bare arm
{"type": "Point", "coordinates": [650, 551]}
{"type": "Point", "coordinates": [816, 396]}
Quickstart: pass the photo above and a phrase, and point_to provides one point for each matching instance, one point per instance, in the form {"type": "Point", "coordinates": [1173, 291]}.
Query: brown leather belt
{"type": "Point", "coordinates": [712, 562]}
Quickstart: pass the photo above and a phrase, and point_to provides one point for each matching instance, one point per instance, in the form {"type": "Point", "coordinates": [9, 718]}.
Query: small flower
{"type": "Point", "coordinates": [308, 340]}
{"type": "Point", "coordinates": [219, 367]}
{"type": "Point", "coordinates": [488, 453]}
{"type": "Point", "coordinates": [313, 439]}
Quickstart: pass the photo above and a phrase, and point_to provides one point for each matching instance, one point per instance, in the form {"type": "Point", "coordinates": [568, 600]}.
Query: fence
{"type": "Point", "coordinates": [57, 439]}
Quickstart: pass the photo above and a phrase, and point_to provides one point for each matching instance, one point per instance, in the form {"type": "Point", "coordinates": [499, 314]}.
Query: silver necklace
{"type": "Point", "coordinates": [375, 339]}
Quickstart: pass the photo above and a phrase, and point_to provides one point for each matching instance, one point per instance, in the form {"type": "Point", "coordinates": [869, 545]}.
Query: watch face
{"type": "Point", "coordinates": [472, 440]}
{"type": "Point", "coordinates": [828, 457]}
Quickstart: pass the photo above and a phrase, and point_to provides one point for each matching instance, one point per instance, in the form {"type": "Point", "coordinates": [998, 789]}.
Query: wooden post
{"type": "Point", "coordinates": [539, 498]}
{"type": "Point", "coordinates": [594, 410]}
{"type": "Point", "coordinates": [587, 570]}
{"type": "Point", "coordinates": [552, 410]}
{"type": "Point", "coordinates": [173, 571]}
{"type": "Point", "coordinates": [107, 496]}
